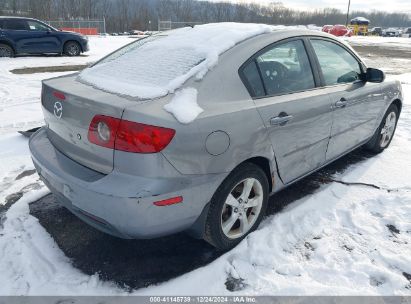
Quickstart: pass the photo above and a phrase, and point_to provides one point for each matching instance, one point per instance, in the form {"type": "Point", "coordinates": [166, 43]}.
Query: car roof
{"type": "Point", "coordinates": [16, 17]}
{"type": "Point", "coordinates": [245, 49]}
{"type": "Point", "coordinates": [296, 32]}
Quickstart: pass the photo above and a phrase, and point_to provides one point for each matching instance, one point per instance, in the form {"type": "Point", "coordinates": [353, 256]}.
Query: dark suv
{"type": "Point", "coordinates": [31, 36]}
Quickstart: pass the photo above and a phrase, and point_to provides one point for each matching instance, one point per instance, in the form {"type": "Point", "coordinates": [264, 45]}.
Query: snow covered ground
{"type": "Point", "coordinates": [380, 41]}
{"type": "Point", "coordinates": [344, 239]}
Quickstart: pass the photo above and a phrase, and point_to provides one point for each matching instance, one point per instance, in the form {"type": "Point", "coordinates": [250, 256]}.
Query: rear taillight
{"type": "Point", "coordinates": [128, 136]}
{"type": "Point", "coordinates": [103, 130]}
{"type": "Point", "coordinates": [140, 138]}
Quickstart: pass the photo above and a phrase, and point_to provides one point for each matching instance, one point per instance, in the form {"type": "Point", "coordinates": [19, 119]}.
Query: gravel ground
{"type": "Point", "coordinates": [399, 59]}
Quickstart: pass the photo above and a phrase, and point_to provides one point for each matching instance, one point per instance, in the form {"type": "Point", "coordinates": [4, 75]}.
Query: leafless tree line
{"type": "Point", "coordinates": [123, 15]}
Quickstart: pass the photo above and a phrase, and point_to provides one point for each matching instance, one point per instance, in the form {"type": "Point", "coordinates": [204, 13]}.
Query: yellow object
{"type": "Point", "coordinates": [359, 26]}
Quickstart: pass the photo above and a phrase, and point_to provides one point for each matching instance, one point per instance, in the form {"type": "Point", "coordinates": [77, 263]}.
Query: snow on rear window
{"type": "Point", "coordinates": [158, 65]}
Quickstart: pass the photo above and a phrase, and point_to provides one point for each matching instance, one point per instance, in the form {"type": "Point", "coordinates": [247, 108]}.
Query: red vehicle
{"type": "Point", "coordinates": [340, 30]}
{"type": "Point", "coordinates": [327, 28]}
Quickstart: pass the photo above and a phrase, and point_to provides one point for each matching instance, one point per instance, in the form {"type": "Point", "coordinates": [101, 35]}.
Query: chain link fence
{"type": "Point", "coordinates": [87, 27]}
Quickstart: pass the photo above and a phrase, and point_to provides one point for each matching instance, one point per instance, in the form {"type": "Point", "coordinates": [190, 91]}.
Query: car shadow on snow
{"type": "Point", "coordinates": [138, 263]}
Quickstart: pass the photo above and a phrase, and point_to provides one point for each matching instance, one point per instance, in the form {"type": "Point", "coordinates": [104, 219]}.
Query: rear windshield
{"type": "Point", "coordinates": [147, 66]}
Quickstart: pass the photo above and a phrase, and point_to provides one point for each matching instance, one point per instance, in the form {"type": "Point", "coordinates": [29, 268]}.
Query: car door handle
{"type": "Point", "coordinates": [341, 103]}
{"type": "Point", "coordinates": [280, 120]}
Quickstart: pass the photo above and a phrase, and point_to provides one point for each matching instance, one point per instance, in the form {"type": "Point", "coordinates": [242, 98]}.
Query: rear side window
{"type": "Point", "coordinates": [37, 26]}
{"type": "Point", "coordinates": [337, 64]}
{"type": "Point", "coordinates": [285, 68]}
{"type": "Point", "coordinates": [253, 80]}
{"type": "Point", "coordinates": [15, 24]}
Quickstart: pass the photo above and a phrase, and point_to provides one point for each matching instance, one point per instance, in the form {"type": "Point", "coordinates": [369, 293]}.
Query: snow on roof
{"type": "Point", "coordinates": [158, 65]}
{"type": "Point", "coordinates": [360, 19]}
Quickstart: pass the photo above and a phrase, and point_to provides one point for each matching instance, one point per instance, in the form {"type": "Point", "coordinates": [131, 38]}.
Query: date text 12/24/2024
{"type": "Point", "coordinates": [203, 299]}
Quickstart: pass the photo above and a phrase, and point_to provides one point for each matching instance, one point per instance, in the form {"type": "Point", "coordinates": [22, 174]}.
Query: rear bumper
{"type": "Point", "coordinates": [120, 204]}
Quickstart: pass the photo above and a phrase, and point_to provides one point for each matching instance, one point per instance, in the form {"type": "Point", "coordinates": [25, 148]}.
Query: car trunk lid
{"type": "Point", "coordinates": [68, 117]}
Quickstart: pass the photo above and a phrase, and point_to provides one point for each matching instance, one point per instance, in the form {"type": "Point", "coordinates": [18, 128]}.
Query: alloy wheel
{"type": "Point", "coordinates": [242, 208]}
{"type": "Point", "coordinates": [73, 49]}
{"type": "Point", "coordinates": [387, 131]}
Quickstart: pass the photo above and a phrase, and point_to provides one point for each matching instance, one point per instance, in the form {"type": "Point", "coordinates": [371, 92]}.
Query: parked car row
{"type": "Point", "coordinates": [390, 32]}
{"type": "Point", "coordinates": [342, 30]}
{"type": "Point", "coordinates": [31, 36]}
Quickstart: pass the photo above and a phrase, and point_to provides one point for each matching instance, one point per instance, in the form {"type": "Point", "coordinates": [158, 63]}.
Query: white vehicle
{"type": "Point", "coordinates": [391, 32]}
{"type": "Point", "coordinates": [407, 33]}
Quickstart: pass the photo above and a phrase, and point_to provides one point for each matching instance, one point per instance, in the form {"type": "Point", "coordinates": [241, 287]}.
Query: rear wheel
{"type": "Point", "coordinates": [6, 50]}
{"type": "Point", "coordinates": [237, 206]}
{"type": "Point", "coordinates": [72, 48]}
{"type": "Point", "coordinates": [385, 132]}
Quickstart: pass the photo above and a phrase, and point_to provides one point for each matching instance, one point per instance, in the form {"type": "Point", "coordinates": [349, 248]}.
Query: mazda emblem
{"type": "Point", "coordinates": [58, 109]}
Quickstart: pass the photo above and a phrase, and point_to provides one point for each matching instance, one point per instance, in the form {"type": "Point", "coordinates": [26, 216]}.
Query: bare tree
{"type": "Point", "coordinates": [124, 15]}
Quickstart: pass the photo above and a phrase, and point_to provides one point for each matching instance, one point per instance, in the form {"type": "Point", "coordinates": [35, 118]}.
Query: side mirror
{"type": "Point", "coordinates": [374, 75]}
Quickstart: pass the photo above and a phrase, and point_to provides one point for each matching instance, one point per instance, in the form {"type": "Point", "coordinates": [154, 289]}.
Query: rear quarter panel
{"type": "Point", "coordinates": [229, 111]}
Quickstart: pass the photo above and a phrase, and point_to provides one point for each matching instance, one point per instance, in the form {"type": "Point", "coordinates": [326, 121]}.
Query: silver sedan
{"type": "Point", "coordinates": [276, 107]}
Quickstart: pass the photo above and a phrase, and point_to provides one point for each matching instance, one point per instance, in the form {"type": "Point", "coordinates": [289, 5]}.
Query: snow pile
{"type": "Point", "coordinates": [155, 66]}
{"type": "Point", "coordinates": [31, 262]}
{"type": "Point", "coordinates": [342, 240]}
{"type": "Point", "coordinates": [184, 105]}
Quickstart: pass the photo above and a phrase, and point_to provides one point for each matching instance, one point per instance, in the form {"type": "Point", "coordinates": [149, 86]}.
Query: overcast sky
{"type": "Point", "coordinates": [368, 5]}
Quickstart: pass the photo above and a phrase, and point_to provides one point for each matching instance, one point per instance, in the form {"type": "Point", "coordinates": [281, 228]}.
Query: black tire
{"type": "Point", "coordinates": [213, 227]}
{"type": "Point", "coordinates": [376, 143]}
{"type": "Point", "coordinates": [6, 50]}
{"type": "Point", "coordinates": [72, 48]}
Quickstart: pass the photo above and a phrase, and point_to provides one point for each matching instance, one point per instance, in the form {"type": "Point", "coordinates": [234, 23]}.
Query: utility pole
{"type": "Point", "coordinates": [348, 12]}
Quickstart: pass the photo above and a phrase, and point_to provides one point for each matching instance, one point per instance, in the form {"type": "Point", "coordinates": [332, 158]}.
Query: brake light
{"type": "Point", "coordinates": [59, 95]}
{"type": "Point", "coordinates": [128, 136]}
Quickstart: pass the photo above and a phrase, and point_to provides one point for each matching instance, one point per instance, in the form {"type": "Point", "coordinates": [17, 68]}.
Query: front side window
{"type": "Point", "coordinates": [16, 25]}
{"type": "Point", "coordinates": [37, 26]}
{"type": "Point", "coordinates": [285, 68]}
{"type": "Point", "coordinates": [337, 64]}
